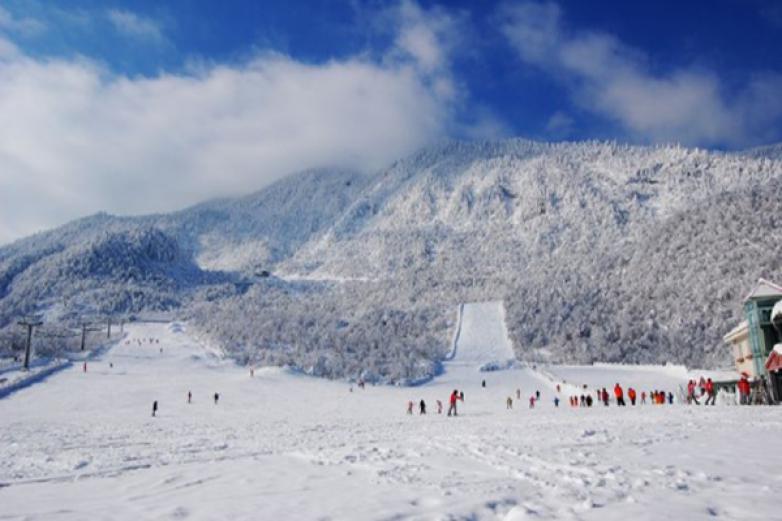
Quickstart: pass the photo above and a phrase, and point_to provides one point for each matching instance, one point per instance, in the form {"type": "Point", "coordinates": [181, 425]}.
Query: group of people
{"type": "Point", "coordinates": [655, 397]}
{"type": "Point", "coordinates": [216, 398]}
{"type": "Point", "coordinates": [706, 388]}
{"type": "Point", "coordinates": [455, 397]}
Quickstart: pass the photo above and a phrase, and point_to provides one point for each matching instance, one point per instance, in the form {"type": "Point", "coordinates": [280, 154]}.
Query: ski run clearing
{"type": "Point", "coordinates": [280, 445]}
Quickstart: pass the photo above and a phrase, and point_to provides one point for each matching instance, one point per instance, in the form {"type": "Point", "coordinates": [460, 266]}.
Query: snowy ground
{"type": "Point", "coordinates": [284, 446]}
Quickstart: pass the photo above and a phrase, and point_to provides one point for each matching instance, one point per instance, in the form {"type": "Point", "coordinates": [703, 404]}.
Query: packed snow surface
{"type": "Point", "coordinates": [279, 445]}
{"type": "Point", "coordinates": [482, 336]}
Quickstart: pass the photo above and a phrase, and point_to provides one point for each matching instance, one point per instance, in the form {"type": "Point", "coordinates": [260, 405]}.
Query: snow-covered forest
{"type": "Point", "coordinates": [601, 252]}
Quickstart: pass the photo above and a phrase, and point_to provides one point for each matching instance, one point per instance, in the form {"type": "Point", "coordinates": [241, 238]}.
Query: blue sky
{"type": "Point", "coordinates": [183, 100]}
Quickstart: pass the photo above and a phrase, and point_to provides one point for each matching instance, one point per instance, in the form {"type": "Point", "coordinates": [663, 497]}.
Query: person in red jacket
{"type": "Point", "coordinates": [631, 394]}
{"type": "Point", "coordinates": [744, 390]}
{"type": "Point", "coordinates": [454, 397]}
{"type": "Point", "coordinates": [620, 395]}
{"type": "Point", "coordinates": [712, 395]}
{"type": "Point", "coordinates": [605, 397]}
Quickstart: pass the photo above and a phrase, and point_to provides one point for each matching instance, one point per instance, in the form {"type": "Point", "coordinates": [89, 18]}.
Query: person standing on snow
{"type": "Point", "coordinates": [154, 408]}
{"type": "Point", "coordinates": [620, 395]}
{"type": "Point", "coordinates": [189, 397]}
{"type": "Point", "coordinates": [691, 393]}
{"type": "Point", "coordinates": [631, 395]}
{"type": "Point", "coordinates": [410, 407]}
{"type": "Point", "coordinates": [422, 407]}
{"type": "Point", "coordinates": [532, 402]}
{"type": "Point", "coordinates": [439, 407]}
{"type": "Point", "coordinates": [509, 403]}
{"type": "Point", "coordinates": [454, 396]}
{"type": "Point", "coordinates": [605, 397]}
{"type": "Point", "coordinates": [556, 401]}
{"type": "Point", "coordinates": [217, 398]}
{"type": "Point", "coordinates": [710, 392]}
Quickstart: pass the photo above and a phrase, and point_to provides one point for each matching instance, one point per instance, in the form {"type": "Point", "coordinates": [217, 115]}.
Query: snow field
{"type": "Point", "coordinates": [286, 446]}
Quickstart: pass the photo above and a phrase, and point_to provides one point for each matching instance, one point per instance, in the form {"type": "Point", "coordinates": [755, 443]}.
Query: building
{"type": "Point", "coordinates": [753, 340]}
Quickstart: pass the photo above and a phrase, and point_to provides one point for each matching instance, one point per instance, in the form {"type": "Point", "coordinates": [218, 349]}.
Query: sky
{"type": "Point", "coordinates": [147, 106]}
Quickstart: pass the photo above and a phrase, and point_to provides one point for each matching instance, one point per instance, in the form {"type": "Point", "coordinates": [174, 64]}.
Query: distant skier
{"type": "Point", "coordinates": [604, 397]}
{"type": "Point", "coordinates": [509, 403]}
{"type": "Point", "coordinates": [710, 392]}
{"type": "Point", "coordinates": [252, 373]}
{"type": "Point", "coordinates": [217, 398]}
{"type": "Point", "coordinates": [84, 367]}
{"type": "Point", "coordinates": [556, 401]}
{"type": "Point", "coordinates": [452, 401]}
{"type": "Point", "coordinates": [154, 408]}
{"type": "Point", "coordinates": [619, 394]}
{"type": "Point", "coordinates": [643, 397]}
{"type": "Point", "coordinates": [439, 407]}
{"type": "Point", "coordinates": [589, 400]}
{"type": "Point", "coordinates": [483, 383]}
{"type": "Point", "coordinates": [422, 407]}
{"type": "Point", "coordinates": [410, 407]}
{"type": "Point", "coordinates": [670, 398]}
{"type": "Point", "coordinates": [189, 397]}
{"type": "Point", "coordinates": [518, 394]}
{"type": "Point", "coordinates": [532, 402]}
{"type": "Point", "coordinates": [537, 395]}
{"type": "Point", "coordinates": [631, 394]}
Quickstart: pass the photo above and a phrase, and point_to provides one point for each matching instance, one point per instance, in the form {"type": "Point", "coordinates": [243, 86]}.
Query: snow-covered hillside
{"type": "Point", "coordinates": [280, 445]}
{"type": "Point", "coordinates": [599, 251]}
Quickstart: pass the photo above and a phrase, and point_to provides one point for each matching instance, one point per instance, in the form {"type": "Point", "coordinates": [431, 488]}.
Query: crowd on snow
{"type": "Point", "coordinates": [704, 389]}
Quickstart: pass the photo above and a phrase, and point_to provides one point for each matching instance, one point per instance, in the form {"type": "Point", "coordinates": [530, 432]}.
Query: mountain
{"type": "Point", "coordinates": [155, 262]}
{"type": "Point", "coordinates": [600, 251]}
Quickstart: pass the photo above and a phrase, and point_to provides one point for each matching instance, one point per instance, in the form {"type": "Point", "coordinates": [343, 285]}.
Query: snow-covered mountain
{"type": "Point", "coordinates": [600, 251]}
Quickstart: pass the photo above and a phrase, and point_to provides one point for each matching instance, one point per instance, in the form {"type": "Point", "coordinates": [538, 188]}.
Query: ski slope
{"type": "Point", "coordinates": [482, 337]}
{"type": "Point", "coordinates": [280, 445]}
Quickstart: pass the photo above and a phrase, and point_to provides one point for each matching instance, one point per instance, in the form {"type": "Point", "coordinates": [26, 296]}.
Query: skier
{"type": "Point", "coordinates": [217, 398]}
{"type": "Point", "coordinates": [84, 367]}
{"type": "Point", "coordinates": [483, 383]}
{"type": "Point", "coordinates": [189, 397]}
{"type": "Point", "coordinates": [589, 400]}
{"type": "Point", "coordinates": [410, 407]}
{"type": "Point", "coordinates": [439, 407]}
{"type": "Point", "coordinates": [537, 395]}
{"type": "Point", "coordinates": [670, 398]}
{"type": "Point", "coordinates": [509, 403]}
{"type": "Point", "coordinates": [532, 401]}
{"type": "Point", "coordinates": [454, 396]}
{"type": "Point", "coordinates": [252, 372]}
{"type": "Point", "coordinates": [556, 401]}
{"type": "Point", "coordinates": [605, 397]}
{"type": "Point", "coordinates": [154, 408]}
{"type": "Point", "coordinates": [710, 391]}
{"type": "Point", "coordinates": [643, 397]}
{"type": "Point", "coordinates": [518, 394]}
{"type": "Point", "coordinates": [691, 393]}
{"type": "Point", "coordinates": [422, 407]}
{"type": "Point", "coordinates": [631, 395]}
{"type": "Point", "coordinates": [619, 394]}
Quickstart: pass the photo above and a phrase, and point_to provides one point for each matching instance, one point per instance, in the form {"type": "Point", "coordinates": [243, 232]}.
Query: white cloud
{"type": "Point", "coordinates": [78, 139]}
{"type": "Point", "coordinates": [24, 26]}
{"type": "Point", "coordinates": [607, 77]}
{"type": "Point", "coordinates": [135, 26]}
{"type": "Point", "coordinates": [559, 125]}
